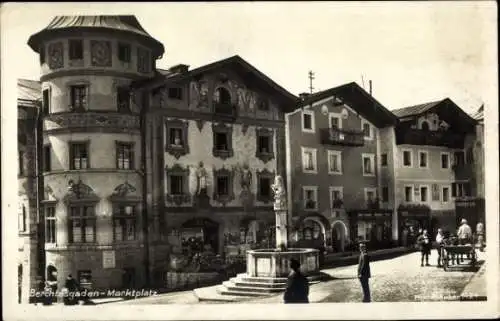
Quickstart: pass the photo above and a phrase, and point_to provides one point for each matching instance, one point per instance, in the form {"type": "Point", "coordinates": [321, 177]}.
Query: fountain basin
{"type": "Point", "coordinates": [271, 263]}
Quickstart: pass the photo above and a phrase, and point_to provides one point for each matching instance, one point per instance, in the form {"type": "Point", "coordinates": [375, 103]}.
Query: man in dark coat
{"type": "Point", "coordinates": [297, 288]}
{"type": "Point", "coordinates": [364, 273]}
{"type": "Point", "coordinates": [72, 287]}
{"type": "Point", "coordinates": [425, 245]}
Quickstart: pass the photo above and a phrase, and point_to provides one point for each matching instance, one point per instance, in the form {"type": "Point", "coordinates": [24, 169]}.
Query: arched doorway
{"type": "Point", "coordinates": [204, 229]}
{"type": "Point", "coordinates": [339, 236]}
{"type": "Point", "coordinates": [424, 125]}
{"type": "Point", "coordinates": [314, 231]}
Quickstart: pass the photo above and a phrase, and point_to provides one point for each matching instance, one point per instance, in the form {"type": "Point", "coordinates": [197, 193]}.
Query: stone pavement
{"type": "Point", "coordinates": [476, 289]}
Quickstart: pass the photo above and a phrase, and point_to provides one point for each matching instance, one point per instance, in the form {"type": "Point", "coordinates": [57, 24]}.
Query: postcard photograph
{"type": "Point", "coordinates": [250, 160]}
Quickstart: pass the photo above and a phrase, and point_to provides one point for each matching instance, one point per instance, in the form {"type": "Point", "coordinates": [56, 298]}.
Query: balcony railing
{"type": "Point", "coordinates": [225, 111]}
{"type": "Point", "coordinates": [346, 137]}
{"type": "Point", "coordinates": [429, 138]}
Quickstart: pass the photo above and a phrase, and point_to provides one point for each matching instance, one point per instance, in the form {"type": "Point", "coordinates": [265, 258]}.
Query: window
{"type": "Point", "coordinates": [143, 60]}
{"type": "Point", "coordinates": [334, 162]}
{"type": "Point", "coordinates": [123, 99]}
{"type": "Point", "coordinates": [368, 164]}
{"type": "Point", "coordinates": [46, 102]}
{"type": "Point", "coordinates": [424, 193]}
{"type": "Point", "coordinates": [79, 157]}
{"type": "Point", "coordinates": [222, 186]}
{"type": "Point", "coordinates": [79, 97]}
{"type": "Point", "coordinates": [367, 129]}
{"type": "Point", "coordinates": [22, 219]}
{"type": "Point", "coordinates": [335, 121]}
{"type": "Point", "coordinates": [47, 158]}
{"type": "Point", "coordinates": [310, 198]}
{"type": "Point", "coordinates": [265, 150]}
{"type": "Point", "coordinates": [446, 194]}
{"type": "Point", "coordinates": [408, 193]}
{"type": "Point", "coordinates": [175, 137]}
{"type": "Point", "coordinates": [222, 96]}
{"type": "Point", "coordinates": [75, 49]}
{"type": "Point", "coordinates": [176, 184]}
{"type": "Point", "coordinates": [124, 155]}
{"type": "Point", "coordinates": [308, 121]}
{"type": "Point", "coordinates": [460, 189]}
{"type": "Point", "coordinates": [365, 230]}
{"type": "Point", "coordinates": [423, 159]}
{"type": "Point", "coordinates": [50, 224]}
{"type": "Point", "coordinates": [336, 196]}
{"type": "Point", "coordinates": [264, 144]}
{"type": "Point", "coordinates": [309, 160]}
{"type": "Point", "coordinates": [221, 142]}
{"type": "Point", "coordinates": [383, 160]}
{"type": "Point", "coordinates": [370, 194]}
{"type": "Point", "coordinates": [82, 224]}
{"type": "Point", "coordinates": [458, 158]}
{"type": "Point", "coordinates": [263, 104]}
{"type": "Point", "coordinates": [445, 161]}
{"type": "Point", "coordinates": [407, 156]}
{"type": "Point", "coordinates": [20, 157]}
{"type": "Point", "coordinates": [385, 194]}
{"type": "Point", "coordinates": [124, 52]}
{"type": "Point", "coordinates": [424, 126]}
{"type": "Point", "coordinates": [265, 187]}
{"type": "Point", "coordinates": [175, 93]}
{"type": "Point", "coordinates": [124, 222]}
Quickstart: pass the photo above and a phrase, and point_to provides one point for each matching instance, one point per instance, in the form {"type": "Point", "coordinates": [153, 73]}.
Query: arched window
{"type": "Point", "coordinates": [424, 125]}
{"type": "Point", "coordinates": [222, 96]}
{"type": "Point", "coordinates": [312, 230]}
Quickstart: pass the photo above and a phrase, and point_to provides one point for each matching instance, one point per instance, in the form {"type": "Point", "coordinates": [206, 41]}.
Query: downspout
{"type": "Point", "coordinates": [40, 223]}
{"type": "Point", "coordinates": [145, 218]}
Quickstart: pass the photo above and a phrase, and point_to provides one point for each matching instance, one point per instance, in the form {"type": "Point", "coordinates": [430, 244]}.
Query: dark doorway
{"type": "Point", "coordinates": [210, 231]}
{"type": "Point", "coordinates": [128, 278]}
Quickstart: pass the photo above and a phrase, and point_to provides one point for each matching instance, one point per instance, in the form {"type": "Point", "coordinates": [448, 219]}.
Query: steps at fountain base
{"type": "Point", "coordinates": [221, 289]}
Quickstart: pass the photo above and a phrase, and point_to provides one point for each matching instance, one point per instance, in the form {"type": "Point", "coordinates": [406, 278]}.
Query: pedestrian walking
{"type": "Point", "coordinates": [364, 273]}
{"type": "Point", "coordinates": [297, 288]}
{"type": "Point", "coordinates": [439, 245]}
{"type": "Point", "coordinates": [464, 234]}
{"type": "Point", "coordinates": [425, 245]}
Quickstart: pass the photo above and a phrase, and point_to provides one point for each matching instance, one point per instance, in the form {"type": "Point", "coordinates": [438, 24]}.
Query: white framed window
{"type": "Point", "coordinates": [423, 159]}
{"type": "Point", "coordinates": [368, 164]}
{"type": "Point", "coordinates": [367, 129]}
{"type": "Point", "coordinates": [336, 195]}
{"type": "Point", "coordinates": [445, 160]}
{"type": "Point", "coordinates": [309, 160]}
{"type": "Point", "coordinates": [310, 198]}
{"type": "Point", "coordinates": [408, 191]}
{"type": "Point", "coordinates": [407, 155]}
{"type": "Point", "coordinates": [370, 194]}
{"type": "Point", "coordinates": [445, 193]}
{"type": "Point", "coordinates": [335, 120]}
{"type": "Point", "coordinates": [334, 162]}
{"type": "Point", "coordinates": [308, 123]}
{"type": "Point", "coordinates": [424, 193]}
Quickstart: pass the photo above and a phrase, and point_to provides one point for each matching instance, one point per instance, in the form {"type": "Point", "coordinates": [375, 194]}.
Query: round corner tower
{"type": "Point", "coordinates": [92, 180]}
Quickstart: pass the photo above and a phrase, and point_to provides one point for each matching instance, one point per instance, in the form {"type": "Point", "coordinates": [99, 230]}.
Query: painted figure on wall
{"type": "Point", "coordinates": [246, 177]}
{"type": "Point", "coordinates": [279, 193]}
{"type": "Point", "coordinates": [198, 94]}
{"type": "Point", "coordinates": [201, 175]}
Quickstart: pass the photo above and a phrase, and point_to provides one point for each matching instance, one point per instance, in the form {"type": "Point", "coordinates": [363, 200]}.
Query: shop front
{"type": "Point", "coordinates": [373, 227]}
{"type": "Point", "coordinates": [412, 218]}
{"type": "Point", "coordinates": [470, 208]}
{"type": "Point", "coordinates": [312, 231]}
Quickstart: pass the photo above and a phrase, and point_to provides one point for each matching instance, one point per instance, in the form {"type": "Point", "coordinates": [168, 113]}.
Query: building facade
{"type": "Point", "coordinates": [333, 172]}
{"type": "Point", "coordinates": [431, 166]}
{"type": "Point", "coordinates": [92, 204]}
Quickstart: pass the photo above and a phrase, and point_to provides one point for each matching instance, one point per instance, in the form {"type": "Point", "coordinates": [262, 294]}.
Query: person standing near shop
{"type": "Point", "coordinates": [480, 235]}
{"type": "Point", "coordinates": [439, 245]}
{"type": "Point", "coordinates": [425, 245]}
{"type": "Point", "coordinates": [364, 273]}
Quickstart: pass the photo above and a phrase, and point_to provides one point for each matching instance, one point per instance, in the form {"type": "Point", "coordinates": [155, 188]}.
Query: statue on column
{"type": "Point", "coordinates": [279, 194]}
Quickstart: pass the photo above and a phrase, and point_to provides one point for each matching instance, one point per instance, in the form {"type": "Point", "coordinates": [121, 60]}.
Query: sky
{"type": "Point", "coordinates": [414, 52]}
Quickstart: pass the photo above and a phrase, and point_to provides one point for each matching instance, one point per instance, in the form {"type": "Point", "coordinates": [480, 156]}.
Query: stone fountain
{"type": "Point", "coordinates": [268, 269]}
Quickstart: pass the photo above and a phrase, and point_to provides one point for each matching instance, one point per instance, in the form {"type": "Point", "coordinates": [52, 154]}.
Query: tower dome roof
{"type": "Point", "coordinates": [63, 24]}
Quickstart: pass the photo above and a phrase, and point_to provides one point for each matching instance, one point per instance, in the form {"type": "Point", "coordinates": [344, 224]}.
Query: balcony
{"type": "Point", "coordinates": [429, 138]}
{"type": "Point", "coordinates": [345, 137]}
{"type": "Point", "coordinates": [225, 111]}
{"type": "Point", "coordinates": [463, 171]}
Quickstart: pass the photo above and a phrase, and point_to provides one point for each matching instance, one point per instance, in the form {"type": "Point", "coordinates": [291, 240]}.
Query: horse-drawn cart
{"type": "Point", "coordinates": [453, 256]}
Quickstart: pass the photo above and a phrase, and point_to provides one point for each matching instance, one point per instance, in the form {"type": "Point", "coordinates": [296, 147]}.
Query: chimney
{"type": "Point", "coordinates": [370, 86]}
{"type": "Point", "coordinates": [180, 68]}
{"type": "Point", "coordinates": [303, 96]}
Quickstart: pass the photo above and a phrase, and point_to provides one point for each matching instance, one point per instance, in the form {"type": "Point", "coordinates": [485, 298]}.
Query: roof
{"type": "Point", "coordinates": [415, 110]}
{"type": "Point", "coordinates": [446, 109]}
{"type": "Point", "coordinates": [29, 92]}
{"type": "Point", "coordinates": [128, 24]}
{"type": "Point", "coordinates": [237, 64]}
{"type": "Point", "coordinates": [358, 99]}
{"type": "Point", "coordinates": [479, 114]}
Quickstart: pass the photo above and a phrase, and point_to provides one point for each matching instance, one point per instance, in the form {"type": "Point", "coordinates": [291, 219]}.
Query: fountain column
{"type": "Point", "coordinates": [281, 213]}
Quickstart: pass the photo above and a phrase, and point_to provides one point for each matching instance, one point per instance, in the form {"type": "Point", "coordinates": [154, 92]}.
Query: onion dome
{"type": "Point", "coordinates": [69, 25]}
